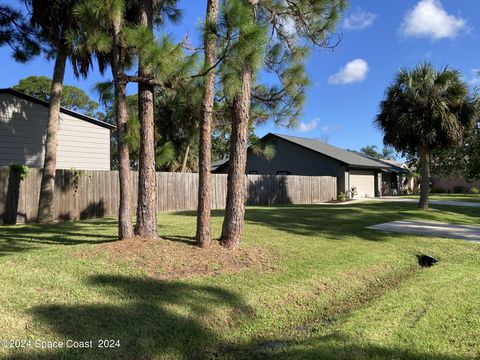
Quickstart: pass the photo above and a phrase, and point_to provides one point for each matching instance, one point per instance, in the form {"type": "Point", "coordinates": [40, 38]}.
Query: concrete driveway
{"type": "Point", "coordinates": [404, 200]}
{"type": "Point", "coordinates": [432, 202]}
{"type": "Point", "coordinates": [431, 228]}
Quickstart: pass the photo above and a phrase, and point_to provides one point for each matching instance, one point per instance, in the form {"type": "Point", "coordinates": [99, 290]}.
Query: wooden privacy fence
{"type": "Point", "coordinates": [88, 194]}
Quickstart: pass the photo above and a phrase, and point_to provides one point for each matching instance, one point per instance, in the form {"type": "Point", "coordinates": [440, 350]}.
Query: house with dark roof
{"type": "Point", "coordinates": [395, 178]}
{"type": "Point", "coordinates": [83, 142]}
{"type": "Point", "coordinates": [309, 157]}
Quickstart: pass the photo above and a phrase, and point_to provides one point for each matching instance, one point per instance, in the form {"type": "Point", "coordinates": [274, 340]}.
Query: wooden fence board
{"type": "Point", "coordinates": [97, 194]}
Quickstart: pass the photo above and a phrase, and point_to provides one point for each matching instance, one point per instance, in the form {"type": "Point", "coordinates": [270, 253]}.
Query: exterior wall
{"type": "Point", "coordinates": [23, 125]}
{"type": "Point", "coordinates": [344, 183]}
{"type": "Point", "coordinates": [295, 160]}
{"type": "Point", "coordinates": [378, 184]}
{"type": "Point", "coordinates": [452, 184]}
{"type": "Point", "coordinates": [82, 145]}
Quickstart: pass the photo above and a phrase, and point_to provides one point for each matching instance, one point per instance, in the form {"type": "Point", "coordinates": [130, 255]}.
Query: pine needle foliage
{"type": "Point", "coordinates": [273, 39]}
{"type": "Point", "coordinates": [17, 33]}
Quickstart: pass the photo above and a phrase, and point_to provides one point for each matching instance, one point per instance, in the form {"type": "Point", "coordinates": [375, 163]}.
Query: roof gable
{"type": "Point", "coordinates": [75, 114]}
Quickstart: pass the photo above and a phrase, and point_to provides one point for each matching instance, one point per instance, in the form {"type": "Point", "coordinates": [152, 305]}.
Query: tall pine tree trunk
{"type": "Point", "coordinates": [125, 226]}
{"type": "Point", "coordinates": [235, 208]}
{"type": "Point", "coordinates": [203, 235]}
{"type": "Point", "coordinates": [425, 177]}
{"type": "Point", "coordinates": [147, 190]}
{"type": "Point", "coordinates": [45, 213]}
{"type": "Point", "coordinates": [185, 159]}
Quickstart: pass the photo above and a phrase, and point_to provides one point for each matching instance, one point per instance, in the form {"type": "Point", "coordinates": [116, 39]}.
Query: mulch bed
{"type": "Point", "coordinates": [179, 258]}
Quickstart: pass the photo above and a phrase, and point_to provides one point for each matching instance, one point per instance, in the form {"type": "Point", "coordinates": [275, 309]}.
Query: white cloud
{"type": "Point", "coordinates": [308, 126]}
{"type": "Point", "coordinates": [475, 79]}
{"type": "Point", "coordinates": [354, 71]}
{"type": "Point", "coordinates": [359, 19]}
{"type": "Point", "coordinates": [428, 19]}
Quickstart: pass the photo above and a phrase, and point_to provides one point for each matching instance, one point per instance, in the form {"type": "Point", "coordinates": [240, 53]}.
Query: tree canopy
{"type": "Point", "coordinates": [426, 107]}
{"type": "Point", "coordinates": [425, 110]}
{"type": "Point", "coordinates": [463, 161]}
{"type": "Point", "coordinates": [73, 98]}
{"type": "Point", "coordinates": [372, 151]}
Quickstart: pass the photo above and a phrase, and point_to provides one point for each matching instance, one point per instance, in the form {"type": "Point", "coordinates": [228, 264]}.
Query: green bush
{"type": "Point", "coordinates": [20, 170]}
{"type": "Point", "coordinates": [474, 190]}
{"type": "Point", "coordinates": [342, 197]}
{"type": "Point", "coordinates": [458, 189]}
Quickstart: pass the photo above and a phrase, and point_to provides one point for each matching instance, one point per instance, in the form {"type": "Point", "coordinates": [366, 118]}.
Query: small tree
{"type": "Point", "coordinates": [426, 109]}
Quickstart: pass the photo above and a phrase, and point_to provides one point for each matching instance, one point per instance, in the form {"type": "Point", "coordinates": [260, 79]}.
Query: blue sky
{"type": "Point", "coordinates": [379, 37]}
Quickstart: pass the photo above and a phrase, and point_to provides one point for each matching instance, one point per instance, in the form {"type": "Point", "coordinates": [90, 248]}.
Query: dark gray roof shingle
{"type": "Point", "coordinates": [348, 157]}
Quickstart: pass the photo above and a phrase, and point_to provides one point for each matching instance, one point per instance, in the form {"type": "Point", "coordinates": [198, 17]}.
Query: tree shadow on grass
{"type": "Point", "coordinates": [23, 238]}
{"type": "Point", "coordinates": [337, 222]}
{"type": "Point", "coordinates": [189, 240]}
{"type": "Point", "coordinates": [150, 318]}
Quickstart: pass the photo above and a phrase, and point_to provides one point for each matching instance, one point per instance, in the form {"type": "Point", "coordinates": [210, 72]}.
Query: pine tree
{"type": "Point", "coordinates": [147, 189]}
{"type": "Point", "coordinates": [203, 235]}
{"type": "Point", "coordinates": [292, 23]}
{"type": "Point", "coordinates": [101, 30]}
{"type": "Point", "coordinates": [45, 29]}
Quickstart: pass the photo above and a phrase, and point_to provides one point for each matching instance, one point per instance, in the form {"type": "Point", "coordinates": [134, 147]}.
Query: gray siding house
{"type": "Point", "coordinates": [309, 157]}
{"type": "Point", "coordinates": [83, 142]}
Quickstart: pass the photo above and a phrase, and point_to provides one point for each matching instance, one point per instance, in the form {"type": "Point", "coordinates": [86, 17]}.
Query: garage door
{"type": "Point", "coordinates": [364, 181]}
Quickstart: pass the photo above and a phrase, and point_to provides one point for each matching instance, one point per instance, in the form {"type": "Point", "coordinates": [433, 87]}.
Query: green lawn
{"type": "Point", "coordinates": [451, 197]}
{"type": "Point", "coordinates": [332, 290]}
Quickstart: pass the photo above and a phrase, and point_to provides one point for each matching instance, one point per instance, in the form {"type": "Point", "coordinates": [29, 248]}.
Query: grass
{"type": "Point", "coordinates": [451, 197]}
{"type": "Point", "coordinates": [334, 290]}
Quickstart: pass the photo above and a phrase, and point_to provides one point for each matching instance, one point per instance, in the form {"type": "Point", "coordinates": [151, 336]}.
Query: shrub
{"type": "Point", "coordinates": [342, 197]}
{"type": "Point", "coordinates": [438, 190]}
{"type": "Point", "coordinates": [474, 190]}
{"type": "Point", "coordinates": [458, 189]}
{"type": "Point", "coordinates": [20, 170]}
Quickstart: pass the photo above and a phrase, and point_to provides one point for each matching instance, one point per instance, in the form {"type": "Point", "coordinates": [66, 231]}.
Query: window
{"type": "Point", "coordinates": [283, 172]}
{"type": "Point", "coordinates": [253, 172]}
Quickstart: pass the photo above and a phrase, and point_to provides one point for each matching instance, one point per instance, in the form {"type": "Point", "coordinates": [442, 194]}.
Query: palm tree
{"type": "Point", "coordinates": [425, 109]}
{"type": "Point", "coordinates": [370, 150]}
{"type": "Point", "coordinates": [388, 153]}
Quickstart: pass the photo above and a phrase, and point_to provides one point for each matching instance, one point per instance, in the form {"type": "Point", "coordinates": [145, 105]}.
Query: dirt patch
{"type": "Point", "coordinates": [180, 259]}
